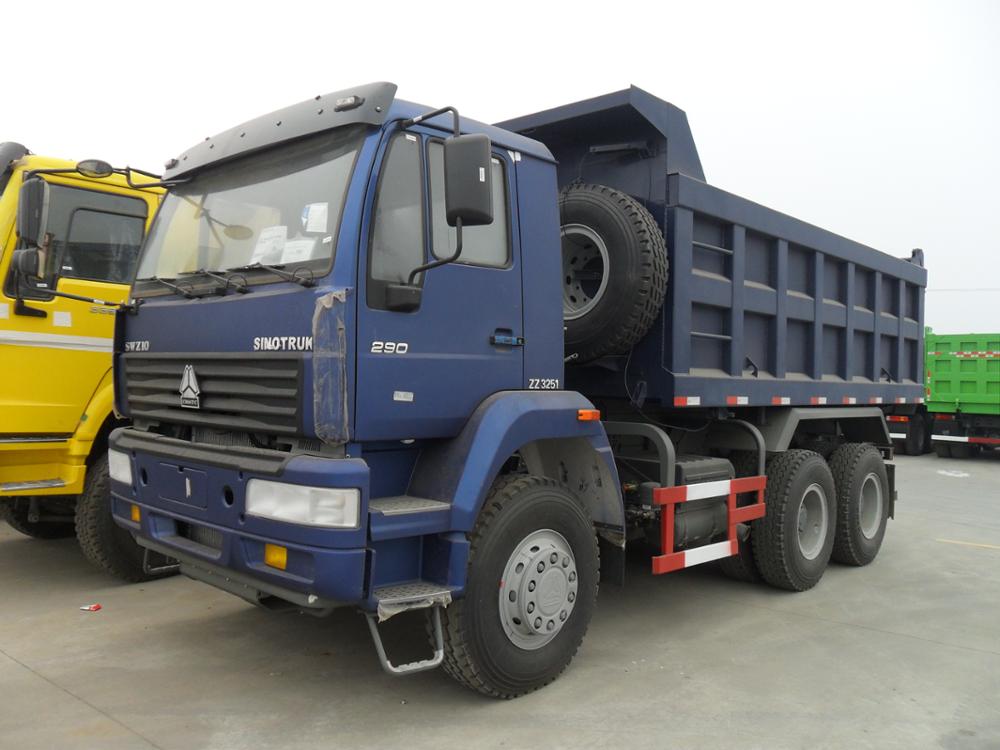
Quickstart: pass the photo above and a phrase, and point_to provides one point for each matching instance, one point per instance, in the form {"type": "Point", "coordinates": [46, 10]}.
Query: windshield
{"type": "Point", "coordinates": [278, 208]}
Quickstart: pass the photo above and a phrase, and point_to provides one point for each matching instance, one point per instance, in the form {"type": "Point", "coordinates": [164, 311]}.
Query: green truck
{"type": "Point", "coordinates": [963, 392]}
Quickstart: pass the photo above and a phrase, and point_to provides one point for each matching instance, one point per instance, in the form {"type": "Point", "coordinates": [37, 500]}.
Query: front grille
{"type": "Point", "coordinates": [203, 535]}
{"type": "Point", "coordinates": [237, 392]}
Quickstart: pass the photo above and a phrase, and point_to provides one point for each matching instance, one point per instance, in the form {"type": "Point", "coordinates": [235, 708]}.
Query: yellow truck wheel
{"type": "Point", "coordinates": [15, 512]}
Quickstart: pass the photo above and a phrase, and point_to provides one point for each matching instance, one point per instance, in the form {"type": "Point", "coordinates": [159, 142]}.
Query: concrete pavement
{"type": "Point", "coordinates": [902, 654]}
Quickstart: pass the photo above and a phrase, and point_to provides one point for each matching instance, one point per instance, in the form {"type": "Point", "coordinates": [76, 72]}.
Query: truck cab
{"type": "Point", "coordinates": [56, 333]}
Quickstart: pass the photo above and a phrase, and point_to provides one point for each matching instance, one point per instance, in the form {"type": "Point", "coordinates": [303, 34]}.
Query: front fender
{"type": "Point", "coordinates": [98, 409]}
{"type": "Point", "coordinates": [461, 470]}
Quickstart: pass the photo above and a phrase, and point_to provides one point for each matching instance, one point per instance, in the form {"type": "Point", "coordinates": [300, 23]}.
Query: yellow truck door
{"type": "Point", "coordinates": [54, 351]}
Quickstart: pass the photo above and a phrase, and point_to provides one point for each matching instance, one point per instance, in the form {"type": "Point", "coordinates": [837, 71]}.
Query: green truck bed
{"type": "Point", "coordinates": [963, 373]}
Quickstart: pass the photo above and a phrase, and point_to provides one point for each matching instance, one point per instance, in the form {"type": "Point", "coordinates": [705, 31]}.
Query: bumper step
{"type": "Point", "coordinates": [407, 516]}
{"type": "Point", "coordinates": [35, 484]}
{"type": "Point", "coordinates": [392, 600]}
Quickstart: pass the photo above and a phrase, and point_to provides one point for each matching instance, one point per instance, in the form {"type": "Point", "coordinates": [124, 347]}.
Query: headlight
{"type": "Point", "coordinates": [120, 467]}
{"type": "Point", "coordinates": [311, 506]}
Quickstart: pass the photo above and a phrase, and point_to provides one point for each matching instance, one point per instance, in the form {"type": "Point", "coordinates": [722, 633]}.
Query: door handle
{"type": "Point", "coordinates": [506, 337]}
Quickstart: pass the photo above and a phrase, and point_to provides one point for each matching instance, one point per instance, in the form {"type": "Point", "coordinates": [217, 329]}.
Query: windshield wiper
{"type": "Point", "coordinates": [278, 270]}
{"type": "Point", "coordinates": [242, 287]}
{"type": "Point", "coordinates": [174, 287]}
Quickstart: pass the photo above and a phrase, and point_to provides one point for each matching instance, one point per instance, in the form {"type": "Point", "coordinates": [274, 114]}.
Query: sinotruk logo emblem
{"type": "Point", "coordinates": [190, 393]}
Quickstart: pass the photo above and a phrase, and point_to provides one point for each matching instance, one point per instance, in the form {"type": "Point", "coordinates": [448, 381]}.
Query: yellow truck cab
{"type": "Point", "coordinates": [56, 394]}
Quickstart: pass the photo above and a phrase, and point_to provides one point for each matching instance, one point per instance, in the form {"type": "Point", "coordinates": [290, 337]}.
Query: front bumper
{"type": "Point", "coordinates": [191, 507]}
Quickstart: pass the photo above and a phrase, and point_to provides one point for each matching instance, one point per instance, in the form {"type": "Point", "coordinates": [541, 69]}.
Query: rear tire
{"type": "Point", "coordinates": [743, 566]}
{"type": "Point", "coordinates": [962, 450]}
{"type": "Point", "coordinates": [15, 512]}
{"type": "Point", "coordinates": [793, 541]}
{"type": "Point", "coordinates": [914, 443]}
{"type": "Point", "coordinates": [614, 270]}
{"type": "Point", "coordinates": [509, 635]}
{"type": "Point", "coordinates": [942, 450]}
{"type": "Point", "coordinates": [862, 503]}
{"type": "Point", "coordinates": [104, 543]}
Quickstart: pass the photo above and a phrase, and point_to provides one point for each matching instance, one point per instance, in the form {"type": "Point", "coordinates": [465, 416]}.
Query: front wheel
{"type": "Point", "coordinates": [107, 545]}
{"type": "Point", "coordinates": [16, 512]}
{"type": "Point", "coordinates": [530, 591]}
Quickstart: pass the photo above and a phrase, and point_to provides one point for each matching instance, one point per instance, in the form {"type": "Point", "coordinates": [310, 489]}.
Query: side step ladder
{"type": "Point", "coordinates": [392, 600]}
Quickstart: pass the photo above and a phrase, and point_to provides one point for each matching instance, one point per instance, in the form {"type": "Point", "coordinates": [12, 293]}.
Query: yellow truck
{"type": "Point", "coordinates": [56, 392]}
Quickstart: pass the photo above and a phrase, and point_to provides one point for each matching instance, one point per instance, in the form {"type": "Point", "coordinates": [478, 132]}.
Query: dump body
{"type": "Point", "coordinates": [963, 373]}
{"type": "Point", "coordinates": [761, 308]}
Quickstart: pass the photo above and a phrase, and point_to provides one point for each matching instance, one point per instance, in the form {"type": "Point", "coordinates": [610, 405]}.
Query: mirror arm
{"type": "Point", "coordinates": [157, 182]}
{"type": "Point", "coordinates": [66, 295]}
{"type": "Point", "coordinates": [440, 261]}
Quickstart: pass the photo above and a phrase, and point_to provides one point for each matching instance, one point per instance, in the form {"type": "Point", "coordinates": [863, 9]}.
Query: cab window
{"type": "Point", "coordinates": [92, 236]}
{"type": "Point", "coordinates": [397, 242]}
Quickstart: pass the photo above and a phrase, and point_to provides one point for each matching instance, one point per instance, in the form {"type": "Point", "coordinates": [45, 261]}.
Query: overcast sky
{"type": "Point", "coordinates": [877, 120]}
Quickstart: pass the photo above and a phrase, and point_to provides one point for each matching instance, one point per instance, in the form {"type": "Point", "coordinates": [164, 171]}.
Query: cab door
{"type": "Point", "coordinates": [55, 351]}
{"type": "Point", "coordinates": [421, 374]}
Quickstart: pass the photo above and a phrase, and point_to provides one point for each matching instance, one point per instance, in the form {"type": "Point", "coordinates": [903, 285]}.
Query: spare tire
{"type": "Point", "coordinates": [614, 270]}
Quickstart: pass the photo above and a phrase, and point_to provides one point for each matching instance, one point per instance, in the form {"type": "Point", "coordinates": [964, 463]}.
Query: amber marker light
{"type": "Point", "coordinates": [275, 556]}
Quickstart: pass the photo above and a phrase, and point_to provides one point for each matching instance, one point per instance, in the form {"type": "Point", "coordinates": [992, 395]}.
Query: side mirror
{"type": "Point", "coordinates": [32, 212]}
{"type": "Point", "coordinates": [27, 261]}
{"type": "Point", "coordinates": [468, 180]}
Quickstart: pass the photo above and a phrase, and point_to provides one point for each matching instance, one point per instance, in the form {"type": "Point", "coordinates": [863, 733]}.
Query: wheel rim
{"type": "Point", "coordinates": [538, 589]}
{"type": "Point", "coordinates": [813, 521]}
{"type": "Point", "coordinates": [870, 505]}
{"type": "Point", "coordinates": [585, 266]}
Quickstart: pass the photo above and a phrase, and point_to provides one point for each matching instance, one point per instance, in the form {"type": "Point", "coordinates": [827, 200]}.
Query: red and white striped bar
{"type": "Point", "coordinates": [959, 439]}
{"type": "Point", "coordinates": [737, 400]}
{"type": "Point", "coordinates": [780, 401]}
{"type": "Point", "coordinates": [817, 400]}
{"type": "Point", "coordinates": [967, 355]}
{"type": "Point", "coordinates": [687, 400]}
{"type": "Point", "coordinates": [668, 560]}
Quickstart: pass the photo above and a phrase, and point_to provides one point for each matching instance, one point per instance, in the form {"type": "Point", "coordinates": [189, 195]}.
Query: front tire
{"type": "Point", "coordinates": [15, 512]}
{"type": "Point", "coordinates": [862, 503]}
{"type": "Point", "coordinates": [103, 542]}
{"type": "Point", "coordinates": [793, 541]}
{"type": "Point", "coordinates": [530, 592]}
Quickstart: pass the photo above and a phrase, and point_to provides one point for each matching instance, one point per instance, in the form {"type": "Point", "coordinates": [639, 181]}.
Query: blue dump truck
{"type": "Point", "coordinates": [394, 359]}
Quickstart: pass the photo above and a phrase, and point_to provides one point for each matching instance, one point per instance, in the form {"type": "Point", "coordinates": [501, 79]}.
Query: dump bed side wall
{"type": "Point", "coordinates": [963, 373]}
{"type": "Point", "coordinates": [763, 309]}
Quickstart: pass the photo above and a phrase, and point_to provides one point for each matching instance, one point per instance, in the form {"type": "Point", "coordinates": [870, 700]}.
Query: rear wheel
{"type": "Point", "coordinates": [862, 502]}
{"type": "Point", "coordinates": [15, 511]}
{"type": "Point", "coordinates": [793, 541]}
{"type": "Point", "coordinates": [104, 543]}
{"type": "Point", "coordinates": [942, 450]}
{"type": "Point", "coordinates": [743, 566]}
{"type": "Point", "coordinates": [914, 442]}
{"type": "Point", "coordinates": [963, 450]}
{"type": "Point", "coordinates": [531, 589]}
